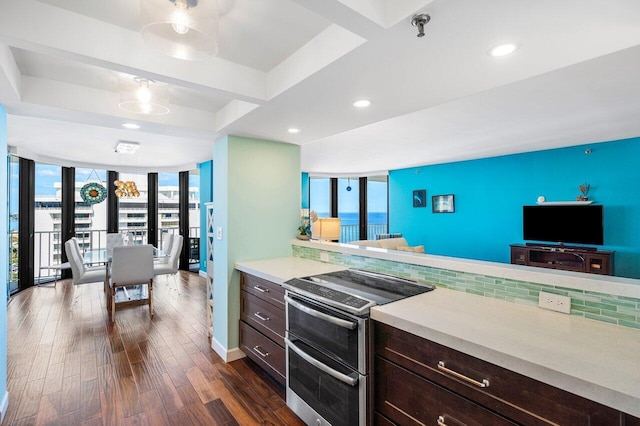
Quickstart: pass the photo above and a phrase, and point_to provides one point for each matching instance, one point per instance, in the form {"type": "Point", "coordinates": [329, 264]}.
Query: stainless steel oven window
{"type": "Point", "coordinates": [338, 334]}
{"type": "Point", "coordinates": [321, 390]}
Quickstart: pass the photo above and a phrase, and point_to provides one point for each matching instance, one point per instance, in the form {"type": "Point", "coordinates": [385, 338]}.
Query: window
{"type": "Point", "coordinates": [14, 216]}
{"type": "Point", "coordinates": [194, 216]}
{"type": "Point", "coordinates": [168, 205]}
{"type": "Point", "coordinates": [320, 196]}
{"type": "Point", "coordinates": [47, 217]}
{"type": "Point", "coordinates": [377, 206]}
{"type": "Point", "coordinates": [133, 210]}
{"type": "Point", "coordinates": [90, 219]}
{"type": "Point", "coordinates": [349, 209]}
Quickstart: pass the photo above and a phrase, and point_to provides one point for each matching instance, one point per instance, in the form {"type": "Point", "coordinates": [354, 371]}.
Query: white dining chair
{"type": "Point", "coordinates": [114, 239]}
{"type": "Point", "coordinates": [81, 273]}
{"type": "Point", "coordinates": [170, 267]}
{"type": "Point", "coordinates": [131, 266]}
{"type": "Point", "coordinates": [167, 242]}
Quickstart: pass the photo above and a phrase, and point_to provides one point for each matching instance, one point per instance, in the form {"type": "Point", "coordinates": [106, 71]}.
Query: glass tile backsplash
{"type": "Point", "coordinates": [597, 306]}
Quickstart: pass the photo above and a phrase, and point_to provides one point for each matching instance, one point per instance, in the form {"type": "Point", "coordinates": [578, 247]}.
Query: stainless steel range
{"type": "Point", "coordinates": [327, 342]}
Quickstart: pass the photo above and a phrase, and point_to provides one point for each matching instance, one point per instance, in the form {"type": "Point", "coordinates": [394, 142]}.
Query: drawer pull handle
{"type": "Point", "coordinates": [261, 317]}
{"type": "Point", "coordinates": [261, 289]}
{"type": "Point", "coordinates": [441, 421]}
{"type": "Point", "coordinates": [262, 354]}
{"type": "Point", "coordinates": [483, 384]}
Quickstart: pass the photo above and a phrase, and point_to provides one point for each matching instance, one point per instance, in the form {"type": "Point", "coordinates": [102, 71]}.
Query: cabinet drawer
{"type": "Point", "coordinates": [264, 317]}
{"type": "Point", "coordinates": [263, 289]}
{"type": "Point", "coordinates": [408, 399]}
{"type": "Point", "coordinates": [263, 351]}
{"type": "Point", "coordinates": [513, 395]}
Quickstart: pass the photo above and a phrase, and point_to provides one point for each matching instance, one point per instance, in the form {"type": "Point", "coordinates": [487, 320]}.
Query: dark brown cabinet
{"type": "Point", "coordinates": [567, 259]}
{"type": "Point", "coordinates": [262, 324]}
{"type": "Point", "coordinates": [418, 381]}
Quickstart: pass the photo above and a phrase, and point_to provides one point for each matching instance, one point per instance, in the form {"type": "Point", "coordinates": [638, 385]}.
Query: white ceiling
{"type": "Point", "coordinates": [301, 63]}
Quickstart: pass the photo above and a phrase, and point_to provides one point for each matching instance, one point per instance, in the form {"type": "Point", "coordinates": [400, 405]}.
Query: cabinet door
{"type": "Point", "coordinates": [408, 399]}
{"type": "Point", "coordinates": [263, 316]}
{"type": "Point", "coordinates": [263, 351]}
{"type": "Point", "coordinates": [520, 398]}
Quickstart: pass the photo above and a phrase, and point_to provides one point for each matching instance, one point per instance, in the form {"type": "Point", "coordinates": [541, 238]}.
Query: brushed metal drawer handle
{"type": "Point", "coordinates": [483, 384]}
{"type": "Point", "coordinates": [262, 354]}
{"type": "Point", "coordinates": [261, 317]}
{"type": "Point", "coordinates": [441, 421]}
{"type": "Point", "coordinates": [261, 289]}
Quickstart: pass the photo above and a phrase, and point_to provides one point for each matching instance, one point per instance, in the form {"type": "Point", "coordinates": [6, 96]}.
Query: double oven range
{"type": "Point", "coordinates": [327, 341]}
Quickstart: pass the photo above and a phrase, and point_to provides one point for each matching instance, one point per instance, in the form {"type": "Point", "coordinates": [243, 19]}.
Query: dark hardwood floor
{"type": "Point", "coordinates": [68, 365]}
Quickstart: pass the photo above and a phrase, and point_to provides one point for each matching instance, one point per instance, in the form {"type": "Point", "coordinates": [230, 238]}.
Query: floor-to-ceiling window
{"type": "Point", "coordinates": [168, 205]}
{"type": "Point", "coordinates": [90, 218]}
{"type": "Point", "coordinates": [47, 242]}
{"type": "Point", "coordinates": [349, 209]}
{"type": "Point", "coordinates": [14, 215]}
{"type": "Point", "coordinates": [194, 217]}
{"type": "Point", "coordinates": [320, 196]}
{"type": "Point", "coordinates": [377, 206]}
{"type": "Point", "coordinates": [132, 210]}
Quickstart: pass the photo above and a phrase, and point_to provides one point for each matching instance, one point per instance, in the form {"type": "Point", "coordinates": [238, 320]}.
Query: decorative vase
{"type": "Point", "coordinates": [302, 237]}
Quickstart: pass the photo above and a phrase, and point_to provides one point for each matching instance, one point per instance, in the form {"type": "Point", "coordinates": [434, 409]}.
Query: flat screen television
{"type": "Point", "coordinates": [563, 224]}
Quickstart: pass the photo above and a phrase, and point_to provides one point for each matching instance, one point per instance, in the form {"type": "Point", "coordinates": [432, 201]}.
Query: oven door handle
{"type": "Point", "coordinates": [347, 379]}
{"type": "Point", "coordinates": [333, 320]}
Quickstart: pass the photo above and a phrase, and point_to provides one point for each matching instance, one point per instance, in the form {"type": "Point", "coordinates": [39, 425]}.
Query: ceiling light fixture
{"type": "Point", "coordinates": [503, 49]}
{"type": "Point", "coordinates": [132, 126]}
{"type": "Point", "coordinates": [143, 96]}
{"type": "Point", "coordinates": [362, 103]}
{"type": "Point", "coordinates": [184, 29]}
{"type": "Point", "coordinates": [293, 130]}
{"type": "Point", "coordinates": [126, 147]}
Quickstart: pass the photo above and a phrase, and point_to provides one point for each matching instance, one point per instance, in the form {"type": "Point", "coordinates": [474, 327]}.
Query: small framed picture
{"type": "Point", "coordinates": [443, 203]}
{"type": "Point", "coordinates": [420, 198]}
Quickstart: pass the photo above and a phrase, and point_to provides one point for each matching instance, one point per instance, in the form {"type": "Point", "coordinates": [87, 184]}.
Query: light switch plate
{"type": "Point", "coordinates": [218, 233]}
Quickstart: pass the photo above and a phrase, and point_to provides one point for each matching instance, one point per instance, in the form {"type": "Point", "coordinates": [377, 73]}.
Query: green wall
{"type": "Point", "coordinates": [206, 196]}
{"type": "Point", "coordinates": [256, 187]}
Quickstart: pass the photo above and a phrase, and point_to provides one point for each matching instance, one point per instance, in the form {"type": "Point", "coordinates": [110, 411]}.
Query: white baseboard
{"type": "Point", "coordinates": [226, 355]}
{"type": "Point", "coordinates": [202, 273]}
{"type": "Point", "coordinates": [4, 406]}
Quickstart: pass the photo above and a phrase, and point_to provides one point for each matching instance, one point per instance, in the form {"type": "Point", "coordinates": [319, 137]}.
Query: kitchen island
{"type": "Point", "coordinates": [592, 359]}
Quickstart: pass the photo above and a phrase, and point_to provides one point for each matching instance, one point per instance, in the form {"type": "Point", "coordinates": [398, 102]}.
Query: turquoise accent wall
{"type": "Point", "coordinates": [305, 190]}
{"type": "Point", "coordinates": [256, 186]}
{"type": "Point", "coordinates": [3, 258]}
{"type": "Point", "coordinates": [206, 196]}
{"type": "Point", "coordinates": [489, 195]}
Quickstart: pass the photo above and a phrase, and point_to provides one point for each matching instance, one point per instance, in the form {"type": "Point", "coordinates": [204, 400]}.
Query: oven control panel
{"type": "Point", "coordinates": [330, 294]}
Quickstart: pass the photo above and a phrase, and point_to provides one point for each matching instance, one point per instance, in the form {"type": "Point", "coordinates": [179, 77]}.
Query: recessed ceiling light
{"type": "Point", "coordinates": [503, 49]}
{"type": "Point", "coordinates": [293, 130]}
{"type": "Point", "coordinates": [131, 126]}
{"type": "Point", "coordinates": [126, 147]}
{"type": "Point", "coordinates": [362, 103]}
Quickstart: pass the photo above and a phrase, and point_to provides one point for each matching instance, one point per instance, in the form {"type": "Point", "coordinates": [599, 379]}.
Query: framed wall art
{"type": "Point", "coordinates": [420, 198]}
{"type": "Point", "coordinates": [443, 203]}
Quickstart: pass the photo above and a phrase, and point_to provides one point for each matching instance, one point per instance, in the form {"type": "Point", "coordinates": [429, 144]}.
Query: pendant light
{"type": "Point", "coordinates": [184, 29]}
{"type": "Point", "coordinates": [143, 96]}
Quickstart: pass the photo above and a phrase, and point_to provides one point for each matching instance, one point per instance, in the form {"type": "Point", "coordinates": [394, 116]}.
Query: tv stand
{"type": "Point", "coordinates": [567, 258]}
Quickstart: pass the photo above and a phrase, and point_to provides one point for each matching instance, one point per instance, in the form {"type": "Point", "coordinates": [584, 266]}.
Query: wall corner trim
{"type": "Point", "coordinates": [226, 355]}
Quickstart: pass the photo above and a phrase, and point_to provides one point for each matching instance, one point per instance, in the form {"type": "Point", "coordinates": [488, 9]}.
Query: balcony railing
{"type": "Point", "coordinates": [350, 233]}
{"type": "Point", "coordinates": [48, 246]}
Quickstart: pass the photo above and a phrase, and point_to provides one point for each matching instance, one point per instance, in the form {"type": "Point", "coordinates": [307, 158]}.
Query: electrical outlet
{"type": "Point", "coordinates": [324, 257]}
{"type": "Point", "coordinates": [555, 302]}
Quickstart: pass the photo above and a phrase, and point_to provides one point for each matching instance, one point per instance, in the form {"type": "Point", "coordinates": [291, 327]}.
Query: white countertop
{"type": "Point", "coordinates": [596, 360]}
{"type": "Point", "coordinates": [282, 269]}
